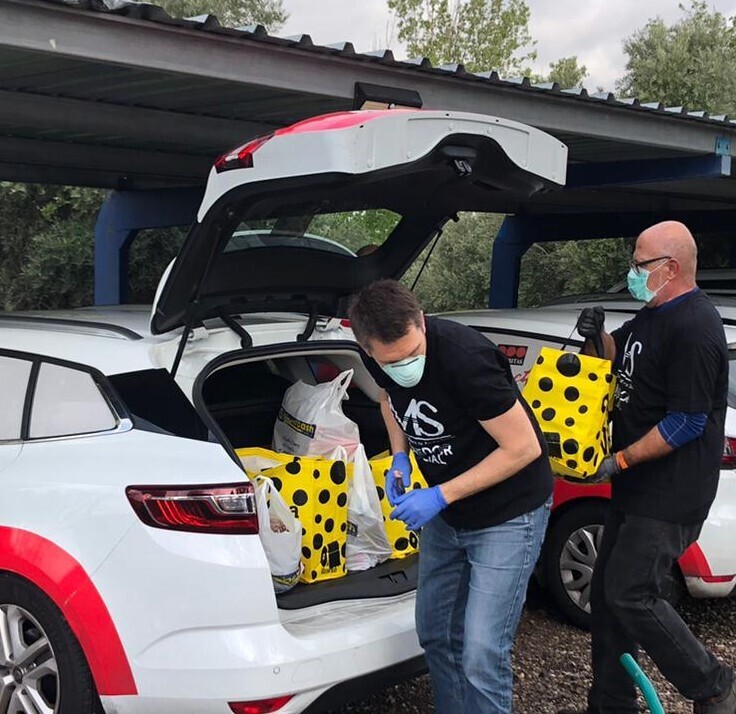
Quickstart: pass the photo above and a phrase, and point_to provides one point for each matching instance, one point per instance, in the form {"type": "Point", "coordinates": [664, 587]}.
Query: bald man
{"type": "Point", "coordinates": [671, 365]}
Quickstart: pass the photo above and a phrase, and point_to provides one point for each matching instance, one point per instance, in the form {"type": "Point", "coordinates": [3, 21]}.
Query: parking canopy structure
{"type": "Point", "coordinates": [120, 95]}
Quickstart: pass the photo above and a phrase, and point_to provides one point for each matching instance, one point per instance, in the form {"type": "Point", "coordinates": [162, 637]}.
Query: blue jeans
{"type": "Point", "coordinates": [472, 585]}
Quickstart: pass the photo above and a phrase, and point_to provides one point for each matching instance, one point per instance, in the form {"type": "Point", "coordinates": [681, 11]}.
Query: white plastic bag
{"type": "Point", "coordinates": [367, 542]}
{"type": "Point", "coordinates": [311, 421]}
{"type": "Point", "coordinates": [280, 533]}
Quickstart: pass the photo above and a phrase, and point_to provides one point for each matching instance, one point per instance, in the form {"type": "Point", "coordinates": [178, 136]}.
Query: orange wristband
{"type": "Point", "coordinates": [621, 461]}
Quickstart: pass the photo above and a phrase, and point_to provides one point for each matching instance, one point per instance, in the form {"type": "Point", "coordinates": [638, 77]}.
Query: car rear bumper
{"type": "Point", "coordinates": [709, 565]}
{"type": "Point", "coordinates": [311, 702]}
{"type": "Point", "coordinates": [308, 653]}
{"type": "Point", "coordinates": [702, 588]}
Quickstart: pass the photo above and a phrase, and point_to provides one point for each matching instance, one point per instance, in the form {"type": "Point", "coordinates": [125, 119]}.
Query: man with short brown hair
{"type": "Point", "coordinates": [449, 396]}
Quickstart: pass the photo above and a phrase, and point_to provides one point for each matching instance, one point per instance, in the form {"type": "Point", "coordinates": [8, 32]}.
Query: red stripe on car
{"type": "Point", "coordinates": [66, 583]}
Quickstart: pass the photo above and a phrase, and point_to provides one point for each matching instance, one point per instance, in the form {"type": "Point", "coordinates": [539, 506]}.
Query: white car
{"type": "Point", "coordinates": [708, 567]}
{"type": "Point", "coordinates": [132, 577]}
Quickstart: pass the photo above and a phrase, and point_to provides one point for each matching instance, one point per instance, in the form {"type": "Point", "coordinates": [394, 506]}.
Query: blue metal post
{"type": "Point", "coordinates": [122, 216]}
{"type": "Point", "coordinates": [510, 245]}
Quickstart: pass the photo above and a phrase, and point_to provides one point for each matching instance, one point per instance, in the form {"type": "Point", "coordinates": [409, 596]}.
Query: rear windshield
{"type": "Point", "coordinates": [732, 379]}
{"type": "Point", "coordinates": [353, 233]}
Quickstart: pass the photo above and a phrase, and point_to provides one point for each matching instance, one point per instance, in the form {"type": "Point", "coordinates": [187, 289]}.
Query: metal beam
{"type": "Point", "coordinates": [162, 129]}
{"type": "Point", "coordinates": [126, 165]}
{"type": "Point", "coordinates": [612, 173]}
{"type": "Point", "coordinates": [100, 37]}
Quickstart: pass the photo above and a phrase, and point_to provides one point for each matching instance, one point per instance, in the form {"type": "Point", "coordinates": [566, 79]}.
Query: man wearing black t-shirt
{"type": "Point", "coordinates": [671, 365]}
{"type": "Point", "coordinates": [449, 396]}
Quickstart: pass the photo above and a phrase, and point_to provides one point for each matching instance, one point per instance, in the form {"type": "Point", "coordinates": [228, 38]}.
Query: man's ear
{"type": "Point", "coordinates": [424, 324]}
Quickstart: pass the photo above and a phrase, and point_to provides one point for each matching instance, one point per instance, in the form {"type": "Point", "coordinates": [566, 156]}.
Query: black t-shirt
{"type": "Point", "coordinates": [672, 358]}
{"type": "Point", "coordinates": [466, 379]}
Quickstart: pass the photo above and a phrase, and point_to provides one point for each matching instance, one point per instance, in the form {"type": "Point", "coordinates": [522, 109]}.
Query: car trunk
{"type": "Point", "coordinates": [240, 395]}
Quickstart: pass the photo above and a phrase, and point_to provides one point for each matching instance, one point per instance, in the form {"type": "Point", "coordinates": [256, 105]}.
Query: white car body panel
{"type": "Point", "coordinates": [393, 138]}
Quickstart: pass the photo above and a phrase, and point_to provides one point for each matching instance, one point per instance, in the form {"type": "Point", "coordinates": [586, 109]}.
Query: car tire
{"type": "Point", "coordinates": [569, 554]}
{"type": "Point", "coordinates": [42, 666]}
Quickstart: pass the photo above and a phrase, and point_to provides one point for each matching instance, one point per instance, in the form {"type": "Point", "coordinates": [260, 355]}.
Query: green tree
{"type": "Point", "coordinates": [691, 63]}
{"type": "Point", "coordinates": [550, 270]}
{"type": "Point", "coordinates": [456, 275]}
{"type": "Point", "coordinates": [46, 251]}
{"type": "Point", "coordinates": [482, 34]}
{"type": "Point", "coordinates": [231, 13]}
{"type": "Point", "coordinates": [566, 72]}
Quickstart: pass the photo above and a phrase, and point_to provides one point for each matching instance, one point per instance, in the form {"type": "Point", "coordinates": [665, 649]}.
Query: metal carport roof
{"type": "Point", "coordinates": [133, 98]}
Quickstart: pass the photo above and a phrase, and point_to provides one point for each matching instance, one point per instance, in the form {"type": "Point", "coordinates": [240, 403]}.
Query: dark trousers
{"type": "Point", "coordinates": [627, 607]}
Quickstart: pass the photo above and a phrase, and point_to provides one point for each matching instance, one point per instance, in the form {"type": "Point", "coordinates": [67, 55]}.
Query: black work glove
{"type": "Point", "coordinates": [610, 466]}
{"type": "Point", "coordinates": [590, 325]}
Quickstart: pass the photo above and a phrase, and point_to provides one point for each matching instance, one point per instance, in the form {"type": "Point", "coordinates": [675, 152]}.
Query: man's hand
{"type": "Point", "coordinates": [610, 466]}
{"type": "Point", "coordinates": [590, 325]}
{"type": "Point", "coordinates": [419, 506]}
{"type": "Point", "coordinates": [591, 321]}
{"type": "Point", "coordinates": [398, 477]}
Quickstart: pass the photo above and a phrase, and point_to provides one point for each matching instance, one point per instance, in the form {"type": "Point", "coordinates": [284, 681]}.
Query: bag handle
{"type": "Point", "coordinates": [341, 383]}
{"type": "Point", "coordinates": [597, 342]}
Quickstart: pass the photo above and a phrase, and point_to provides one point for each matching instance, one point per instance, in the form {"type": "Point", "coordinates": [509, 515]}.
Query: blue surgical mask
{"type": "Point", "coordinates": [406, 372]}
{"type": "Point", "coordinates": [637, 283]}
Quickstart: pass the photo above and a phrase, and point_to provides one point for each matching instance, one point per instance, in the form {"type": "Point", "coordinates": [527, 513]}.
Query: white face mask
{"type": "Point", "coordinates": [406, 372]}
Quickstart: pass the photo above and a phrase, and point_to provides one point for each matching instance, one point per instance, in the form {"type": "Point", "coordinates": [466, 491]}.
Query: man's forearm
{"type": "Point", "coordinates": [609, 347]}
{"type": "Point", "coordinates": [494, 468]}
{"type": "Point", "coordinates": [651, 446]}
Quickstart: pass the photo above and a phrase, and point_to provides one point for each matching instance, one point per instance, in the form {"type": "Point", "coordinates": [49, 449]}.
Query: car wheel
{"type": "Point", "coordinates": [570, 551]}
{"type": "Point", "coordinates": [42, 667]}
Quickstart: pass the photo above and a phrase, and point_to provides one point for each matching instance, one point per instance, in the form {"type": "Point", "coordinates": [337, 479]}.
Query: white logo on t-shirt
{"type": "Point", "coordinates": [420, 421]}
{"type": "Point", "coordinates": [624, 382]}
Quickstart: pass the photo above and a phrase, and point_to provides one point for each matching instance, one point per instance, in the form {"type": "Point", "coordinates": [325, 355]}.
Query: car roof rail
{"type": "Point", "coordinates": [76, 324]}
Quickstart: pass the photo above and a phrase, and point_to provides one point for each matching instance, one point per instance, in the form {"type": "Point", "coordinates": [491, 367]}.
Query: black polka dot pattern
{"type": "Point", "coordinates": [320, 503]}
{"type": "Point", "coordinates": [571, 396]}
{"type": "Point", "coordinates": [569, 365]}
{"type": "Point", "coordinates": [337, 473]}
{"type": "Point", "coordinates": [570, 446]}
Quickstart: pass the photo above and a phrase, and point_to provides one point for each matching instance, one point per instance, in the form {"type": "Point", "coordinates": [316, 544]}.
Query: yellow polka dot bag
{"type": "Point", "coordinates": [571, 396]}
{"type": "Point", "coordinates": [316, 490]}
{"type": "Point", "coordinates": [403, 541]}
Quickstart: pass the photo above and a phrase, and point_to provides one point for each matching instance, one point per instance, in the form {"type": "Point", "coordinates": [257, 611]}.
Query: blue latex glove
{"type": "Point", "coordinates": [419, 506]}
{"type": "Point", "coordinates": [396, 484]}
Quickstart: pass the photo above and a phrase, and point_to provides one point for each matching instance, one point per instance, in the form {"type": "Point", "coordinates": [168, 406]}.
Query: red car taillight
{"type": "Point", "coordinates": [728, 461]}
{"type": "Point", "coordinates": [262, 706]}
{"type": "Point", "coordinates": [224, 508]}
{"type": "Point", "coordinates": [242, 157]}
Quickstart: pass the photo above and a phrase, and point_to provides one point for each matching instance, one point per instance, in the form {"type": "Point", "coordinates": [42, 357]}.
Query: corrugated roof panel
{"type": "Point", "coordinates": [210, 23]}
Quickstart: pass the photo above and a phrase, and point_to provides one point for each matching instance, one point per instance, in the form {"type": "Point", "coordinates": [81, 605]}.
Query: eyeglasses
{"type": "Point", "coordinates": [636, 264]}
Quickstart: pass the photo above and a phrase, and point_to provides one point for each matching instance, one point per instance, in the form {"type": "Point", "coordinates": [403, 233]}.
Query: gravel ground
{"type": "Point", "coordinates": [552, 665]}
